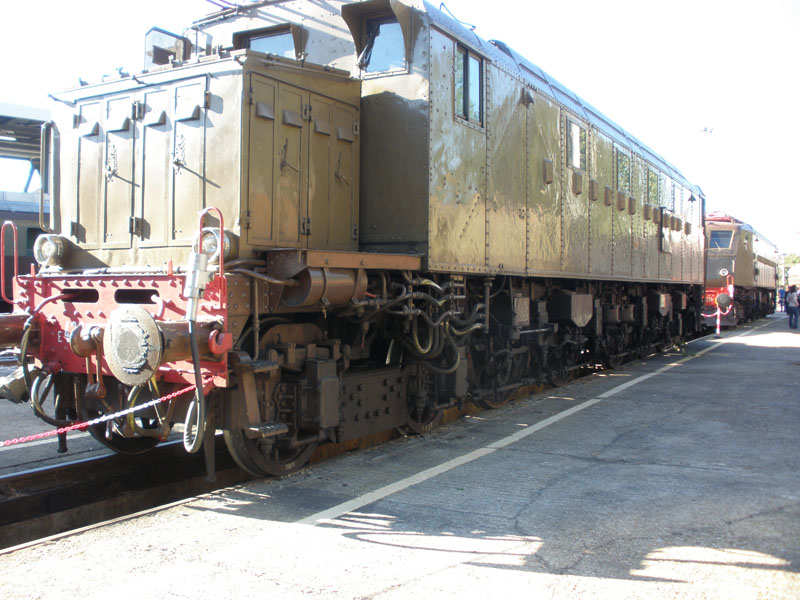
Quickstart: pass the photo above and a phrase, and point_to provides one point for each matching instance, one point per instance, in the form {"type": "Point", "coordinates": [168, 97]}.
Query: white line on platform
{"type": "Point", "coordinates": [50, 440]}
{"type": "Point", "coordinates": [398, 486]}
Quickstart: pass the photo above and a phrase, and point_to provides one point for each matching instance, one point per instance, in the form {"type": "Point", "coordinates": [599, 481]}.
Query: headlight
{"type": "Point", "coordinates": [209, 244]}
{"type": "Point", "coordinates": [49, 250]}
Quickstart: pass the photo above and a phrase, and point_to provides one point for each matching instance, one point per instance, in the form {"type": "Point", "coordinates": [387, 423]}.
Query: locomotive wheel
{"type": "Point", "coordinates": [430, 419]}
{"type": "Point", "coordinates": [262, 458]}
{"type": "Point", "coordinates": [110, 437]}
{"type": "Point", "coordinates": [508, 372]}
{"type": "Point", "coordinates": [119, 443]}
{"type": "Point", "coordinates": [558, 363]}
{"type": "Point", "coordinates": [613, 356]}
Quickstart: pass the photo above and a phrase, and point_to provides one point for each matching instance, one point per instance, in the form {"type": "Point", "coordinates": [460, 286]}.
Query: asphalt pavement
{"type": "Point", "coordinates": [677, 476]}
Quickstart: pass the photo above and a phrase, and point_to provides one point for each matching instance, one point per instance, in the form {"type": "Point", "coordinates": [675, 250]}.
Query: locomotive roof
{"type": "Point", "coordinates": [720, 218]}
{"type": "Point", "coordinates": [513, 62]}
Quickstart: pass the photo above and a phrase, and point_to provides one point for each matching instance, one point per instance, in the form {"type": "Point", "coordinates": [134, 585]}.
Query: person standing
{"type": "Point", "coordinates": [792, 306]}
{"type": "Point", "coordinates": [782, 297]}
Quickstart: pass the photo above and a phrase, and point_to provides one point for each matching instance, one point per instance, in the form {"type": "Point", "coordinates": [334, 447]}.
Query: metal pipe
{"type": "Point", "coordinates": [267, 278]}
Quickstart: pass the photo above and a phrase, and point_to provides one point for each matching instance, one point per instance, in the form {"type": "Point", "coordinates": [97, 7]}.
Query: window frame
{"type": "Point", "coordinates": [622, 153]}
{"type": "Point", "coordinates": [583, 140]}
{"type": "Point", "coordinates": [730, 233]}
{"type": "Point", "coordinates": [464, 113]}
{"type": "Point", "coordinates": [377, 21]}
{"type": "Point", "coordinates": [242, 40]}
{"type": "Point", "coordinates": [653, 199]}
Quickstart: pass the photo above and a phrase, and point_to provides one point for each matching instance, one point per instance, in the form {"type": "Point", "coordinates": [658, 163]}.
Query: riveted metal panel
{"type": "Point", "coordinates": [457, 221]}
{"type": "Point", "coordinates": [574, 218]}
{"type": "Point", "coordinates": [600, 214]}
{"type": "Point", "coordinates": [698, 241]}
{"type": "Point", "coordinates": [544, 214]}
{"type": "Point", "coordinates": [678, 250]}
{"type": "Point", "coordinates": [665, 233]}
{"type": "Point", "coordinates": [638, 193]}
{"type": "Point", "coordinates": [507, 209]}
{"type": "Point", "coordinates": [622, 260]}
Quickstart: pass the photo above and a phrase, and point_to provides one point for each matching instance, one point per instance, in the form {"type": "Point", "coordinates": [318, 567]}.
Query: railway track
{"type": "Point", "coordinates": [45, 501]}
{"type": "Point", "coordinates": [42, 502]}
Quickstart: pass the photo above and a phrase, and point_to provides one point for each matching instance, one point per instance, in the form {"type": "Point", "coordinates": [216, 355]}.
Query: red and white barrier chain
{"type": "Point", "coordinates": [103, 419]}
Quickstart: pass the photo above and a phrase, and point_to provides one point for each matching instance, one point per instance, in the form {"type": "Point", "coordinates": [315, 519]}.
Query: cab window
{"type": "Point", "coordinates": [385, 48]}
{"type": "Point", "coordinates": [652, 188]}
{"type": "Point", "coordinates": [720, 239]}
{"type": "Point", "coordinates": [280, 44]}
{"type": "Point", "coordinates": [469, 86]}
{"type": "Point", "coordinates": [275, 40]}
{"type": "Point", "coordinates": [576, 146]}
{"type": "Point", "coordinates": [623, 172]}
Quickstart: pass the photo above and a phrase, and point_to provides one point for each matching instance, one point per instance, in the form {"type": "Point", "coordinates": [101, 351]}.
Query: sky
{"type": "Point", "coordinates": [713, 86]}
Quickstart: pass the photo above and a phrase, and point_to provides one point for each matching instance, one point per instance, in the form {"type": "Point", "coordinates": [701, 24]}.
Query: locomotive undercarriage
{"type": "Point", "coordinates": [416, 346]}
{"type": "Point", "coordinates": [408, 348]}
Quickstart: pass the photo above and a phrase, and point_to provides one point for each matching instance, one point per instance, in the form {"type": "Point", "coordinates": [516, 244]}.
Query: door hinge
{"type": "Point", "coordinates": [135, 225]}
{"type": "Point", "coordinates": [246, 220]}
{"type": "Point", "coordinates": [250, 95]}
{"type": "Point", "coordinates": [305, 226]}
{"type": "Point", "coordinates": [306, 112]}
{"type": "Point", "coordinates": [355, 232]}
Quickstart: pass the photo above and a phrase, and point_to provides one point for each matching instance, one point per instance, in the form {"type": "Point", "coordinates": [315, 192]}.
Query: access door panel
{"type": "Point", "coordinates": [290, 165]}
{"type": "Point", "coordinates": [188, 159]}
{"type": "Point", "coordinates": [261, 162]}
{"type": "Point", "coordinates": [155, 169]}
{"type": "Point", "coordinates": [86, 226]}
{"type": "Point", "coordinates": [118, 171]}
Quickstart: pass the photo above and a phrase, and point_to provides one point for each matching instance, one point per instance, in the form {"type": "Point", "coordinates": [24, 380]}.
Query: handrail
{"type": "Point", "coordinates": [3, 261]}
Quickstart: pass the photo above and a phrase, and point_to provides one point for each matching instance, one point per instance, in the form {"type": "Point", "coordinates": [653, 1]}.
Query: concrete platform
{"type": "Point", "coordinates": [673, 477]}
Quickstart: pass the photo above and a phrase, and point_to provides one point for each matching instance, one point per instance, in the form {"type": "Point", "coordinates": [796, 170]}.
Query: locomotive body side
{"type": "Point", "coordinates": [536, 182]}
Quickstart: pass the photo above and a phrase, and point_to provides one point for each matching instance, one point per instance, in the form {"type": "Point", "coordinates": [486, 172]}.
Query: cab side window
{"type": "Point", "coordinates": [469, 86]}
{"type": "Point", "coordinates": [623, 172]}
{"type": "Point", "coordinates": [576, 146]}
{"type": "Point", "coordinates": [652, 187]}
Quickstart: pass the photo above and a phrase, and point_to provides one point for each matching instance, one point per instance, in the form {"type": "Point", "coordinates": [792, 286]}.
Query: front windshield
{"type": "Point", "coordinates": [384, 50]}
{"type": "Point", "coordinates": [280, 44]}
{"type": "Point", "coordinates": [720, 239]}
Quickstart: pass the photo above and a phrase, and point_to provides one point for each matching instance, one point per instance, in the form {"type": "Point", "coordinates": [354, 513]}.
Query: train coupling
{"type": "Point", "coordinates": [135, 345]}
